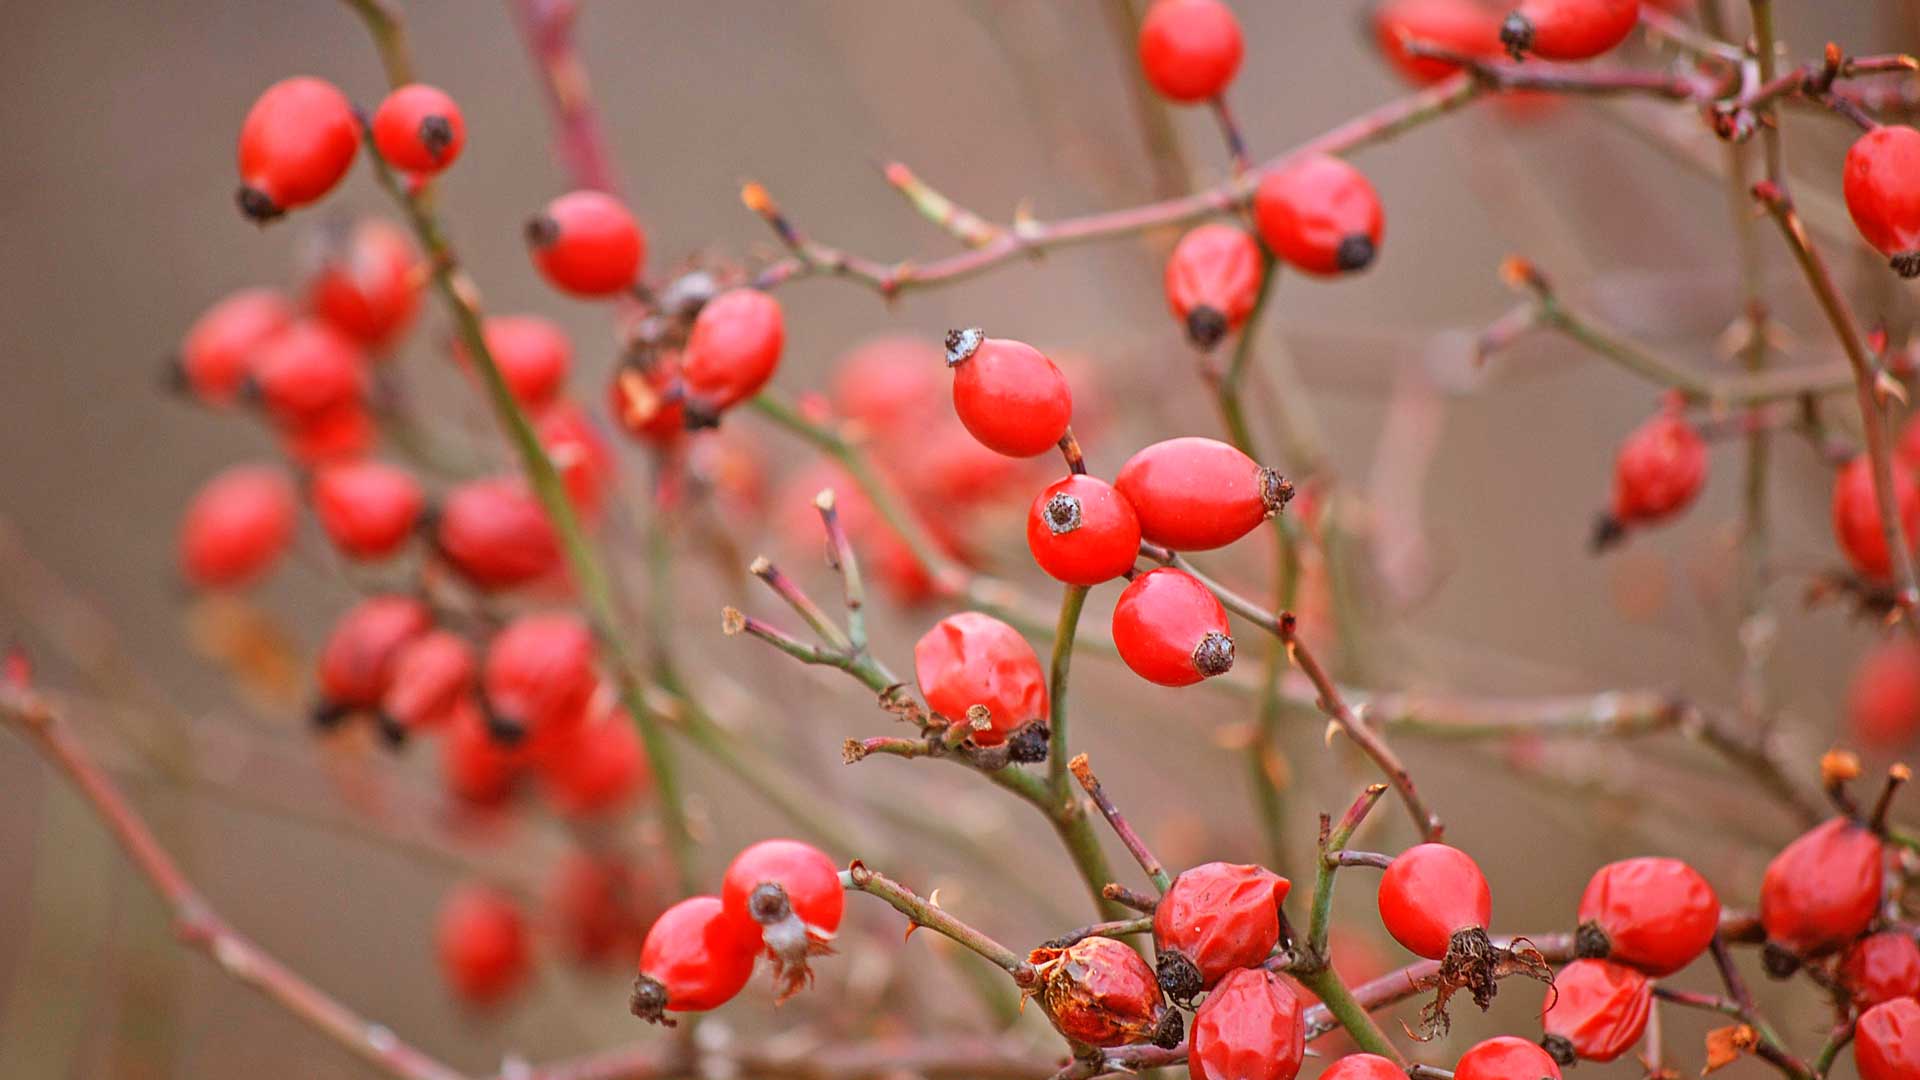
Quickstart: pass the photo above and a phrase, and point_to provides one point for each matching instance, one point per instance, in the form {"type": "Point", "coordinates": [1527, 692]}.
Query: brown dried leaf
{"type": "Point", "coordinates": [1726, 1045]}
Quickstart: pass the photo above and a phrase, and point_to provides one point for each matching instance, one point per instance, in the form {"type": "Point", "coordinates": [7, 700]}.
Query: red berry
{"type": "Point", "coordinates": [365, 281]}
{"type": "Point", "coordinates": [1194, 494]}
{"type": "Point", "coordinates": [694, 959]}
{"type": "Point", "coordinates": [495, 534]}
{"type": "Point", "coordinates": [476, 768]}
{"type": "Point", "coordinates": [1823, 889]}
{"type": "Point", "coordinates": [598, 908]}
{"type": "Point", "coordinates": [357, 663]}
{"type": "Point", "coordinates": [1083, 532]}
{"type": "Point", "coordinates": [1881, 967]}
{"type": "Point", "coordinates": [341, 434]}
{"type": "Point", "coordinates": [1217, 917]}
{"type": "Point", "coordinates": [368, 509]}
{"type": "Point", "coordinates": [1249, 1028]}
{"type": "Point", "coordinates": [296, 143]}
{"type": "Point", "coordinates": [579, 453]}
{"type": "Point", "coordinates": [1656, 914]}
{"type": "Point", "coordinates": [216, 354]}
{"type": "Point", "coordinates": [1363, 1067]}
{"type": "Point", "coordinates": [432, 675]}
{"type": "Point", "coordinates": [787, 896]}
{"type": "Point", "coordinates": [1883, 698]}
{"type": "Point", "coordinates": [1505, 1057]}
{"type": "Point", "coordinates": [1856, 516]}
{"type": "Point", "coordinates": [1658, 471]}
{"type": "Point", "coordinates": [238, 524]}
{"type": "Point", "coordinates": [1099, 992]}
{"type": "Point", "coordinates": [1008, 394]}
{"type": "Point", "coordinates": [1320, 215]}
{"type": "Point", "coordinates": [1170, 630]}
{"type": "Point", "coordinates": [1433, 895]}
{"type": "Point", "coordinates": [419, 128]}
{"type": "Point", "coordinates": [595, 767]}
{"type": "Point", "coordinates": [1464, 27]}
{"type": "Point", "coordinates": [587, 244]}
{"type": "Point", "coordinates": [307, 371]}
{"type": "Point", "coordinates": [891, 385]}
{"type": "Point", "coordinates": [1190, 49]}
{"type": "Point", "coordinates": [1568, 29]}
{"type": "Point", "coordinates": [1882, 186]}
{"type": "Point", "coordinates": [973, 659]}
{"type": "Point", "coordinates": [484, 950]}
{"type": "Point", "coordinates": [1886, 1043]}
{"type": "Point", "coordinates": [1595, 1010]}
{"type": "Point", "coordinates": [539, 676]}
{"type": "Point", "coordinates": [532, 353]}
{"type": "Point", "coordinates": [731, 352]}
{"type": "Point", "coordinates": [645, 400]}
{"type": "Point", "coordinates": [1213, 278]}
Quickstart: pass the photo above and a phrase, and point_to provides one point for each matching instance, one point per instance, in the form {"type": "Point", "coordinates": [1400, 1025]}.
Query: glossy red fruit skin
{"type": "Point", "coordinates": [1196, 494]}
{"type": "Point", "coordinates": [1213, 280]}
{"type": "Point", "coordinates": [1363, 1067]}
{"type": "Point", "coordinates": [1881, 967]}
{"type": "Point", "coordinates": [1101, 993]}
{"type": "Point", "coordinates": [367, 508]}
{"type": "Point", "coordinates": [1886, 1043]}
{"type": "Point", "coordinates": [1856, 516]}
{"type": "Point", "coordinates": [1658, 914]}
{"type": "Point", "coordinates": [237, 526]}
{"type": "Point", "coordinates": [1190, 49]}
{"type": "Point", "coordinates": [485, 954]}
{"type": "Point", "coordinates": [356, 665]}
{"type": "Point", "coordinates": [216, 352]}
{"type": "Point", "coordinates": [365, 282]}
{"type": "Point", "coordinates": [1009, 395]}
{"type": "Point", "coordinates": [432, 674]}
{"type": "Point", "coordinates": [1823, 889]}
{"type": "Point", "coordinates": [1083, 532]}
{"type": "Point", "coordinates": [803, 872]}
{"type": "Point", "coordinates": [1217, 917]}
{"type": "Point", "coordinates": [1659, 470]}
{"type": "Point", "coordinates": [1883, 696]}
{"type": "Point", "coordinates": [1599, 1007]}
{"type": "Point", "coordinates": [1430, 893]}
{"type": "Point", "coordinates": [308, 370]}
{"type": "Point", "coordinates": [539, 674]}
{"type": "Point", "coordinates": [1464, 27]}
{"type": "Point", "coordinates": [697, 956]}
{"type": "Point", "coordinates": [598, 908]}
{"type": "Point", "coordinates": [419, 129]}
{"type": "Point", "coordinates": [594, 768]}
{"type": "Point", "coordinates": [733, 349]}
{"type": "Point", "coordinates": [533, 354]}
{"type": "Point", "coordinates": [297, 142]}
{"type": "Point", "coordinates": [343, 433]}
{"type": "Point", "coordinates": [1320, 216]}
{"type": "Point", "coordinates": [1569, 29]}
{"type": "Point", "coordinates": [475, 768]}
{"type": "Point", "coordinates": [1170, 630]}
{"type": "Point", "coordinates": [1882, 188]}
{"type": "Point", "coordinates": [495, 535]}
{"type": "Point", "coordinates": [1249, 1028]}
{"type": "Point", "coordinates": [1505, 1057]}
{"type": "Point", "coordinates": [587, 244]}
{"type": "Point", "coordinates": [972, 659]}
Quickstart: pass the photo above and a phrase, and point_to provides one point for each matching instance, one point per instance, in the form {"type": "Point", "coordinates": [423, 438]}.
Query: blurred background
{"type": "Point", "coordinates": [1474, 487]}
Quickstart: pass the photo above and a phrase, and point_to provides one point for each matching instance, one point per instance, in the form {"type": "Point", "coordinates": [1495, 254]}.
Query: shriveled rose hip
{"type": "Point", "coordinates": [1823, 889]}
{"type": "Point", "coordinates": [1195, 494]}
{"type": "Point", "coordinates": [973, 659]}
{"type": "Point", "coordinates": [1595, 1010]}
{"type": "Point", "coordinates": [1249, 1028]}
{"type": "Point", "coordinates": [1886, 1042]}
{"type": "Point", "coordinates": [1170, 630]}
{"type": "Point", "coordinates": [1217, 917]}
{"type": "Point", "coordinates": [1881, 967]}
{"type": "Point", "coordinates": [1099, 992]}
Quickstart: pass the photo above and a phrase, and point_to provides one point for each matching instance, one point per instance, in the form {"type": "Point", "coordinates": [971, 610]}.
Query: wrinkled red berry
{"type": "Point", "coordinates": [694, 959]}
{"type": "Point", "coordinates": [973, 659]}
{"type": "Point", "coordinates": [1099, 992]}
{"type": "Point", "coordinates": [1505, 1057]}
{"type": "Point", "coordinates": [1363, 1067]}
{"type": "Point", "coordinates": [1008, 394]}
{"type": "Point", "coordinates": [1249, 1028]}
{"type": "Point", "coordinates": [1170, 630]}
{"type": "Point", "coordinates": [238, 525]}
{"type": "Point", "coordinates": [365, 281]}
{"type": "Point", "coordinates": [1880, 967]}
{"type": "Point", "coordinates": [1656, 914]}
{"type": "Point", "coordinates": [587, 243]}
{"type": "Point", "coordinates": [297, 142]}
{"type": "Point", "coordinates": [1082, 531]}
{"type": "Point", "coordinates": [731, 353]}
{"type": "Point", "coordinates": [1595, 1010]}
{"type": "Point", "coordinates": [1856, 516]}
{"type": "Point", "coordinates": [1886, 1042]}
{"type": "Point", "coordinates": [419, 128]}
{"type": "Point", "coordinates": [356, 665]}
{"type": "Point", "coordinates": [1195, 494]}
{"type": "Point", "coordinates": [494, 533]}
{"type": "Point", "coordinates": [1320, 215]}
{"type": "Point", "coordinates": [1190, 49]}
{"type": "Point", "coordinates": [1217, 917]}
{"type": "Point", "coordinates": [216, 354]}
{"type": "Point", "coordinates": [1213, 279]}
{"type": "Point", "coordinates": [367, 508]}
{"type": "Point", "coordinates": [1568, 29]}
{"type": "Point", "coordinates": [484, 950]}
{"type": "Point", "coordinates": [1823, 889]}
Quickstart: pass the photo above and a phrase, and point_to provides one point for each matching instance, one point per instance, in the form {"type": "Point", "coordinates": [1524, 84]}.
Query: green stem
{"type": "Point", "coordinates": [1071, 602]}
{"type": "Point", "coordinates": [389, 34]}
{"type": "Point", "coordinates": [1327, 985]}
{"type": "Point", "coordinates": [904, 900]}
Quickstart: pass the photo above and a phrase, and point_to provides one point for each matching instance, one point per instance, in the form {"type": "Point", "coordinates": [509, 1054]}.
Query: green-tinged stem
{"type": "Point", "coordinates": [1332, 991]}
{"type": "Point", "coordinates": [589, 575]}
{"type": "Point", "coordinates": [1830, 1051]}
{"type": "Point", "coordinates": [923, 913]}
{"type": "Point", "coordinates": [389, 34]}
{"type": "Point", "coordinates": [1333, 841]}
{"type": "Point", "coordinates": [1766, 60]}
{"type": "Point", "coordinates": [1076, 832]}
{"type": "Point", "coordinates": [763, 776]}
{"type": "Point", "coordinates": [1072, 600]}
{"type": "Point", "coordinates": [1149, 863]}
{"type": "Point", "coordinates": [1233, 412]}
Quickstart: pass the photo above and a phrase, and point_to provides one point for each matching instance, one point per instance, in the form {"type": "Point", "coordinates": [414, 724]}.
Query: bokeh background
{"type": "Point", "coordinates": [119, 120]}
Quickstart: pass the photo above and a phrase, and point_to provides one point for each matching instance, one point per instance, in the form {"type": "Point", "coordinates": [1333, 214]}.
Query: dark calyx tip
{"type": "Point", "coordinates": [1778, 961]}
{"type": "Point", "coordinates": [963, 343]}
{"type": "Point", "coordinates": [698, 415]}
{"type": "Point", "coordinates": [1906, 264]}
{"type": "Point", "coordinates": [1178, 976]}
{"type": "Point", "coordinates": [1354, 253]}
{"type": "Point", "coordinates": [1062, 514]}
{"type": "Point", "coordinates": [392, 731]}
{"type": "Point", "coordinates": [1030, 744]}
{"type": "Point", "coordinates": [325, 715]}
{"type": "Point", "coordinates": [542, 230]}
{"type": "Point", "coordinates": [173, 375]}
{"type": "Point", "coordinates": [1276, 491]}
{"type": "Point", "coordinates": [1516, 33]}
{"type": "Point", "coordinates": [1214, 655]}
{"type": "Point", "coordinates": [768, 903]}
{"type": "Point", "coordinates": [436, 134]}
{"type": "Point", "coordinates": [505, 730]}
{"type": "Point", "coordinates": [1171, 1029]}
{"type": "Point", "coordinates": [649, 1001]}
{"type": "Point", "coordinates": [1608, 531]}
{"type": "Point", "coordinates": [1559, 1048]}
{"type": "Point", "coordinates": [1470, 962]}
{"type": "Point", "coordinates": [257, 205]}
{"type": "Point", "coordinates": [1590, 942]}
{"type": "Point", "coordinates": [1206, 326]}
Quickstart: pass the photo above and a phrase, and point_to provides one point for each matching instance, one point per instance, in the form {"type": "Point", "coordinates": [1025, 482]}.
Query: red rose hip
{"type": "Point", "coordinates": [532, 353]}
{"type": "Point", "coordinates": [307, 372]}
{"type": "Point", "coordinates": [586, 243]}
{"type": "Point", "coordinates": [1008, 394]}
{"type": "Point", "coordinates": [483, 944]}
{"type": "Point", "coordinates": [1249, 1028]}
{"type": "Point", "coordinates": [365, 281]}
{"type": "Point", "coordinates": [1463, 27]}
{"type": "Point", "coordinates": [1434, 900]}
{"type": "Point", "coordinates": [1650, 913]}
{"type": "Point", "coordinates": [1195, 494]}
{"type": "Point", "coordinates": [732, 351]}
{"type": "Point", "coordinates": [595, 767]}
{"type": "Point", "coordinates": [1883, 696]}
{"type": "Point", "coordinates": [1170, 630]}
{"type": "Point", "coordinates": [214, 357]}
{"type": "Point", "coordinates": [1882, 188]}
{"type": "Point", "coordinates": [1568, 29]}
{"type": "Point", "coordinates": [786, 895]}
{"type": "Point", "coordinates": [419, 128]}
{"type": "Point", "coordinates": [1363, 1067]}
{"type": "Point", "coordinates": [1881, 967]}
{"type": "Point", "coordinates": [368, 509]}
{"type": "Point", "coordinates": [1216, 917]}
{"type": "Point", "coordinates": [237, 526]}
{"type": "Point", "coordinates": [297, 142]}
{"type": "Point", "coordinates": [357, 663]}
{"type": "Point", "coordinates": [1886, 1043]}
{"type": "Point", "coordinates": [1505, 1057]}
{"type": "Point", "coordinates": [1190, 49]}
{"type": "Point", "coordinates": [539, 675]}
{"type": "Point", "coordinates": [1213, 280]}
{"type": "Point", "coordinates": [973, 659]}
{"type": "Point", "coordinates": [432, 675]}
{"type": "Point", "coordinates": [495, 534]}
{"type": "Point", "coordinates": [1595, 1010]}
{"type": "Point", "coordinates": [1321, 215]}
{"type": "Point", "coordinates": [1658, 471]}
{"type": "Point", "coordinates": [694, 959]}
{"type": "Point", "coordinates": [1856, 516]}
{"type": "Point", "coordinates": [1099, 992]}
{"type": "Point", "coordinates": [1822, 890]}
{"type": "Point", "coordinates": [1082, 531]}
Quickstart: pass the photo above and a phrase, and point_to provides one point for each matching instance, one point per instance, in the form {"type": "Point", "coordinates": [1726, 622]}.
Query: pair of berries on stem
{"type": "Point", "coordinates": [300, 138]}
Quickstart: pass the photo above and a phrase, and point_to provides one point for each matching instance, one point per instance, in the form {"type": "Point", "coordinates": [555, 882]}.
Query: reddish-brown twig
{"type": "Point", "coordinates": [546, 27]}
